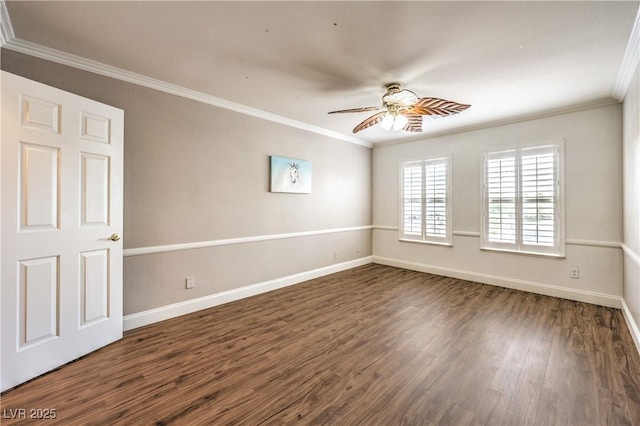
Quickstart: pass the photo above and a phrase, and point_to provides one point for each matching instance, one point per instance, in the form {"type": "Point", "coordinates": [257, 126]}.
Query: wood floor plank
{"type": "Point", "coordinates": [374, 345]}
{"type": "Point", "coordinates": [525, 396]}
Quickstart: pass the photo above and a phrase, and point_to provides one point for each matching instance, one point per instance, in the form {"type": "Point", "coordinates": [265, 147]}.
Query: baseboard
{"type": "Point", "coordinates": [151, 316]}
{"type": "Point", "coordinates": [631, 324]}
{"type": "Point", "coordinates": [517, 284]}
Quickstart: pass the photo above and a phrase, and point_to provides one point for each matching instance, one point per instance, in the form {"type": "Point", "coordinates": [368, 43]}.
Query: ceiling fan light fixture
{"type": "Point", "coordinates": [387, 122]}
{"type": "Point", "coordinates": [400, 122]}
{"type": "Point", "coordinates": [394, 122]}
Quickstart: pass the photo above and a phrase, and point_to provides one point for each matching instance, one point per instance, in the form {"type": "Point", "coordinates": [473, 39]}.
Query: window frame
{"type": "Point", "coordinates": [447, 239]}
{"type": "Point", "coordinates": [519, 246]}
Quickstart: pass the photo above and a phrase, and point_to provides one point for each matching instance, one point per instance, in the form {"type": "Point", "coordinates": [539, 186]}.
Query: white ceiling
{"type": "Point", "coordinates": [299, 60]}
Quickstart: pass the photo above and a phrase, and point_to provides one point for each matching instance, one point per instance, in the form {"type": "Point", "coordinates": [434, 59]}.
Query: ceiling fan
{"type": "Point", "coordinates": [402, 110]}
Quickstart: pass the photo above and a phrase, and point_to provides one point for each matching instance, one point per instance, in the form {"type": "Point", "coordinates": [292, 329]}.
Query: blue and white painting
{"type": "Point", "coordinates": [290, 175]}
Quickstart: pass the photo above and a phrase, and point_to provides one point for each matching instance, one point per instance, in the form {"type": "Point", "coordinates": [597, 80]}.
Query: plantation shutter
{"type": "Point", "coordinates": [412, 188]}
{"type": "Point", "coordinates": [538, 189]}
{"type": "Point", "coordinates": [523, 210]}
{"type": "Point", "coordinates": [501, 197]}
{"type": "Point", "coordinates": [426, 210]}
{"type": "Point", "coordinates": [436, 198]}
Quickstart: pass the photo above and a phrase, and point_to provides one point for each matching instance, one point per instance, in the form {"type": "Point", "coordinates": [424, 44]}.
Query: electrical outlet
{"type": "Point", "coordinates": [358, 248]}
{"type": "Point", "coordinates": [574, 272]}
{"type": "Point", "coordinates": [190, 283]}
{"type": "Point", "coordinates": [335, 254]}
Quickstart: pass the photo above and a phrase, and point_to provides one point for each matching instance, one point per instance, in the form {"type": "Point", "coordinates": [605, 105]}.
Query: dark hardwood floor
{"type": "Point", "coordinates": [373, 345]}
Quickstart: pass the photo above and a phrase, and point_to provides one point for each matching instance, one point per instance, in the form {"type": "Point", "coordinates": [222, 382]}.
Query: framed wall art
{"type": "Point", "coordinates": [289, 175]}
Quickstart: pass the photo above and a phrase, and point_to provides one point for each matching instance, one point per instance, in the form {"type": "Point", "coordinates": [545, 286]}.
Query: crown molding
{"type": "Point", "coordinates": [8, 40]}
{"type": "Point", "coordinates": [79, 62]}
{"type": "Point", "coordinates": [629, 61]}
{"type": "Point", "coordinates": [601, 103]}
{"type": "Point", "coordinates": [6, 30]}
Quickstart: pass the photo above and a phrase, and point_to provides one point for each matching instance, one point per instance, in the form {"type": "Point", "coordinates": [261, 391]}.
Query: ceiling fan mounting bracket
{"type": "Point", "coordinates": [393, 87]}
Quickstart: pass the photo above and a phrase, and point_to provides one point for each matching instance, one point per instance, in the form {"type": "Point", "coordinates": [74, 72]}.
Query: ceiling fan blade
{"type": "Point", "coordinates": [414, 124]}
{"type": "Point", "coordinates": [371, 121]}
{"type": "Point", "coordinates": [403, 97]}
{"type": "Point", "coordinates": [405, 102]}
{"type": "Point", "coordinates": [364, 109]}
{"type": "Point", "coordinates": [436, 106]}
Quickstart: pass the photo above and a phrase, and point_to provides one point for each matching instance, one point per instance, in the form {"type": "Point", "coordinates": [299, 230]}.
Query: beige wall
{"type": "Point", "coordinates": [194, 172]}
{"type": "Point", "coordinates": [593, 182]}
{"type": "Point", "coordinates": [631, 143]}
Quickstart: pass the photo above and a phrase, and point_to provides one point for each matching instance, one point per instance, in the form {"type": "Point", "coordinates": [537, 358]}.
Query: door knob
{"type": "Point", "coordinates": [114, 237]}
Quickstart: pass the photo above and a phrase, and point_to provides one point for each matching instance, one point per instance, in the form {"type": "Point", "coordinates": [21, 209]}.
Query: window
{"type": "Point", "coordinates": [426, 202]}
{"type": "Point", "coordinates": [523, 209]}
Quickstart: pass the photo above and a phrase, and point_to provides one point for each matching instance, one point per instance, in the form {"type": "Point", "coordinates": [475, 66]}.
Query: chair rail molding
{"type": "Point", "coordinates": [231, 241]}
{"type": "Point", "coordinates": [568, 241]}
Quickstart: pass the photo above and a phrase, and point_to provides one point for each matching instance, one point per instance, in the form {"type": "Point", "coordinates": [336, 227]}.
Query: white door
{"type": "Point", "coordinates": [61, 181]}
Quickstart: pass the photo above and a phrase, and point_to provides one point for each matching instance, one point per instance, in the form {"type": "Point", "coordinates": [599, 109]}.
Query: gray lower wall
{"type": "Point", "coordinates": [195, 172]}
{"type": "Point", "coordinates": [151, 279]}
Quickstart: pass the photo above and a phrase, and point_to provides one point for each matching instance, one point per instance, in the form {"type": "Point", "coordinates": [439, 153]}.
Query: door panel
{"type": "Point", "coordinates": [95, 128]}
{"type": "Point", "coordinates": [39, 177]}
{"type": "Point", "coordinates": [39, 114]}
{"type": "Point", "coordinates": [94, 286]}
{"type": "Point", "coordinates": [39, 287]}
{"type": "Point", "coordinates": [95, 189]}
{"type": "Point", "coordinates": [61, 181]}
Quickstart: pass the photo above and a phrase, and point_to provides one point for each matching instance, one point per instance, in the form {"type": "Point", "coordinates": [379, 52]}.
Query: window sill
{"type": "Point", "coordinates": [435, 243]}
